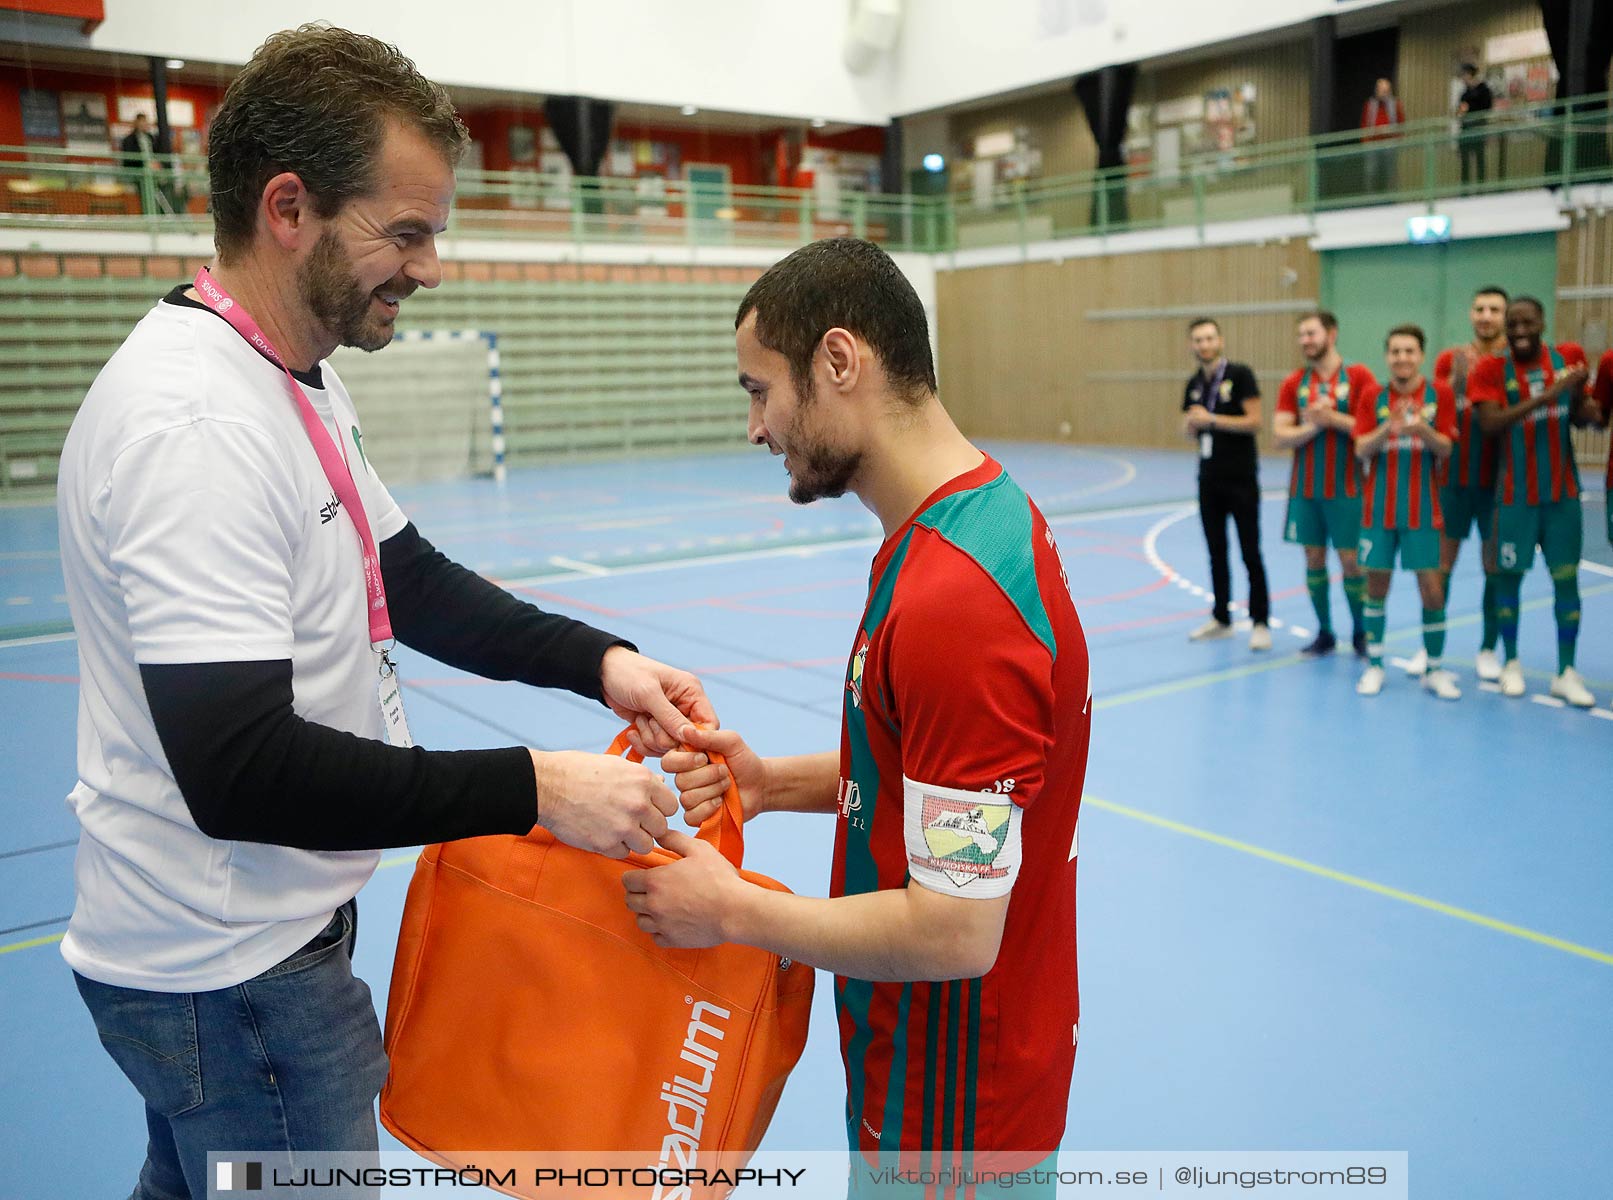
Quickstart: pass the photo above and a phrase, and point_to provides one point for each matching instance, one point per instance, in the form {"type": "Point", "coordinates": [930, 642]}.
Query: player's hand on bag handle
{"type": "Point", "coordinates": [601, 803]}
{"type": "Point", "coordinates": [701, 783]}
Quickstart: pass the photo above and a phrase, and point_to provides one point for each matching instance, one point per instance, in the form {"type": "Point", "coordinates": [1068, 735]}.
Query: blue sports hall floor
{"type": "Point", "coordinates": [1308, 921]}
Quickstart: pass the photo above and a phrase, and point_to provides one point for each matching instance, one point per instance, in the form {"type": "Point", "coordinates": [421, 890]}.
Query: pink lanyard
{"type": "Point", "coordinates": [330, 458]}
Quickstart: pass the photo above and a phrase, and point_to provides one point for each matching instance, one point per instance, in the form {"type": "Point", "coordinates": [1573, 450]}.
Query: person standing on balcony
{"type": "Point", "coordinates": [1222, 407]}
{"type": "Point", "coordinates": [140, 152]}
{"type": "Point", "coordinates": [1381, 111]}
{"type": "Point", "coordinates": [1473, 110]}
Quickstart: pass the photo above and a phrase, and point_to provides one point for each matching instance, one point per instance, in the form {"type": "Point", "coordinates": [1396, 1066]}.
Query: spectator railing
{"type": "Point", "coordinates": [1559, 144]}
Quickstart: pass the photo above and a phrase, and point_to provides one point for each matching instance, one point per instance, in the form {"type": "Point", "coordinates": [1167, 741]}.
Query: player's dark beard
{"type": "Point", "coordinates": [333, 294]}
{"type": "Point", "coordinates": [819, 471]}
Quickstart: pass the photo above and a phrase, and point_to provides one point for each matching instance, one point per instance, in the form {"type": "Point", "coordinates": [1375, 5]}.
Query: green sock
{"type": "Point", "coordinates": [1507, 586]}
{"type": "Point", "coordinates": [1374, 619]}
{"type": "Point", "coordinates": [1316, 583]}
{"type": "Point", "coordinates": [1434, 635]}
{"type": "Point", "coordinates": [1566, 606]}
{"type": "Point", "coordinates": [1355, 591]}
{"type": "Point", "coordinates": [1492, 626]}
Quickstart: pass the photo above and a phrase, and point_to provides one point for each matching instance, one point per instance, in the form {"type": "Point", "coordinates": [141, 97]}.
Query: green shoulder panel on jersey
{"type": "Point", "coordinates": [861, 875]}
{"type": "Point", "coordinates": [992, 525]}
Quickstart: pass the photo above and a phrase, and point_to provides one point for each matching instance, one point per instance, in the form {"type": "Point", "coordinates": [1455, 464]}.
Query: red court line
{"type": "Point", "coordinates": [739, 668]}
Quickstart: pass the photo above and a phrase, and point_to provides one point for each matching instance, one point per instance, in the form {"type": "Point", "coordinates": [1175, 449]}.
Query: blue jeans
{"type": "Point", "coordinates": [289, 1061]}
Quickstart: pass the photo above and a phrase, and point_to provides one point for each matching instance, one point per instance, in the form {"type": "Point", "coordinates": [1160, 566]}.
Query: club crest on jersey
{"type": "Point", "coordinates": [965, 837]}
{"type": "Point", "coordinates": [854, 678]}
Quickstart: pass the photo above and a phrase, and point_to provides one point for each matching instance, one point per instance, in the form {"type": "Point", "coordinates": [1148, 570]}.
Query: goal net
{"type": "Point", "coordinates": [430, 403]}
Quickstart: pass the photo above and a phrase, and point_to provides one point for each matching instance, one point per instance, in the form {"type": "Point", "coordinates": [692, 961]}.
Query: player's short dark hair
{"type": "Point", "coordinates": [1469, 69]}
{"type": "Point", "coordinates": [1328, 320]}
{"type": "Point", "coordinates": [845, 283]}
{"type": "Point", "coordinates": [1408, 330]}
{"type": "Point", "coordinates": [1493, 291]}
{"type": "Point", "coordinates": [316, 101]}
{"type": "Point", "coordinates": [1197, 321]}
{"type": "Point", "coordinates": [1531, 302]}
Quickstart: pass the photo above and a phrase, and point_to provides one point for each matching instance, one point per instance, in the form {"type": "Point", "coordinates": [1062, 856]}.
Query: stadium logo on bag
{"type": "Point", "coordinates": [686, 1098]}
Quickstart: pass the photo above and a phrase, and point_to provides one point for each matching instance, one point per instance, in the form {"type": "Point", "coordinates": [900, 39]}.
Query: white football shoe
{"type": "Point", "coordinates": [1443, 684]}
{"type": "Point", "coordinates": [1512, 679]}
{"type": "Point", "coordinates": [1418, 663]}
{"type": "Point", "coordinates": [1570, 687]}
{"type": "Point", "coordinates": [1370, 683]}
{"type": "Point", "coordinates": [1212, 630]}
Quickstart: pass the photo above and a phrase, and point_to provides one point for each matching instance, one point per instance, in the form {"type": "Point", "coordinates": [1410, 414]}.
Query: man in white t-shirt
{"type": "Point", "coordinates": [237, 773]}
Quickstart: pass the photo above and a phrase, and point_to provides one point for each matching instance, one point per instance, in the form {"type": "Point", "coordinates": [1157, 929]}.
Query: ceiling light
{"type": "Point", "coordinates": [934, 163]}
{"type": "Point", "coordinates": [818, 122]}
{"type": "Point", "coordinates": [689, 110]}
{"type": "Point", "coordinates": [176, 64]}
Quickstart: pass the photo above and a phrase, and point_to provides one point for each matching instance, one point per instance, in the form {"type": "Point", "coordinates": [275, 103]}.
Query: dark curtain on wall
{"type": "Point", "coordinates": [1106, 97]}
{"type": "Point", "coordinates": [582, 127]}
{"type": "Point", "coordinates": [1581, 36]}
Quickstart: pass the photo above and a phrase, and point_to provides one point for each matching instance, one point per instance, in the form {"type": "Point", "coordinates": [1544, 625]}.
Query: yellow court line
{"type": "Point", "coordinates": [49, 940]}
{"type": "Point", "coordinates": [1299, 864]}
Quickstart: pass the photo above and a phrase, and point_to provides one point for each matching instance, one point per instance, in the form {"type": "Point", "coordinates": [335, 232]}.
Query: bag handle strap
{"type": "Point", "coordinates": [724, 829]}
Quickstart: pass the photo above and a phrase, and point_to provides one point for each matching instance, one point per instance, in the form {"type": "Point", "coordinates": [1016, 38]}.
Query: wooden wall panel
{"type": "Point", "coordinates": [1433, 45]}
{"type": "Point", "coordinates": [1101, 343]}
{"type": "Point", "coordinates": [1280, 73]}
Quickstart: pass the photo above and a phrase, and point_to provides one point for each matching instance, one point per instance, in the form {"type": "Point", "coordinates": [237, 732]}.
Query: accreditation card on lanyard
{"type": "Point", "coordinates": [388, 690]}
{"type": "Point", "coordinates": [1206, 438]}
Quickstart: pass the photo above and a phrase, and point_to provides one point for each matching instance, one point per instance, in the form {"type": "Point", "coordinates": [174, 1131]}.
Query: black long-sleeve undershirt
{"type": "Point", "coordinates": [251, 769]}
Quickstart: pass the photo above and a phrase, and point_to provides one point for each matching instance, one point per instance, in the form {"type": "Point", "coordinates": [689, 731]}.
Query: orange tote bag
{"type": "Point", "coordinates": [528, 1012]}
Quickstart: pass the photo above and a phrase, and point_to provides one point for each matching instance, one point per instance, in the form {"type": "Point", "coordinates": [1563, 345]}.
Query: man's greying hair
{"type": "Point", "coordinates": [316, 101]}
{"type": "Point", "coordinates": [850, 284]}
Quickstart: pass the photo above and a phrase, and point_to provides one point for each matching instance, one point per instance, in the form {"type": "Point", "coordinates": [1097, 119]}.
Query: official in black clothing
{"type": "Point", "coordinates": [1472, 110]}
{"type": "Point", "coordinates": [1221, 404]}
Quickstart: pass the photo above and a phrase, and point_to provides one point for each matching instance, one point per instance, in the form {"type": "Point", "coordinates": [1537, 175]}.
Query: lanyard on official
{"type": "Point", "coordinates": [1206, 438]}
{"type": "Point", "coordinates": [340, 478]}
{"type": "Point", "coordinates": [1215, 385]}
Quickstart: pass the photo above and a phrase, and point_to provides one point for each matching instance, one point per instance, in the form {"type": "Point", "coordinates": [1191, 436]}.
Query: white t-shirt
{"type": "Point", "coordinates": [198, 526]}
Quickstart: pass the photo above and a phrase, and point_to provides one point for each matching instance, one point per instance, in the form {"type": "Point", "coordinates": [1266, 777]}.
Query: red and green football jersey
{"type": "Point", "coordinates": [967, 711]}
{"type": "Point", "coordinates": [1324, 467]}
{"type": "Point", "coordinates": [1402, 479]}
{"type": "Point", "coordinates": [1536, 454]}
{"type": "Point", "coordinates": [1472, 460]}
{"type": "Point", "coordinates": [1603, 391]}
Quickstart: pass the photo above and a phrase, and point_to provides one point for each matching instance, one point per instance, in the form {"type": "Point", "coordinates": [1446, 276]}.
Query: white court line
{"type": "Point", "coordinates": [1548, 701]}
{"type": "Point", "coordinates": [571, 564]}
{"type": "Point", "coordinates": [1586, 564]}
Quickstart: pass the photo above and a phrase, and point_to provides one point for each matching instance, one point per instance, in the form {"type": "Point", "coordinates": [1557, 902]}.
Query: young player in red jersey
{"type": "Point", "coordinates": [1467, 494]}
{"type": "Point", "coordinates": [1529, 400]}
{"type": "Point", "coordinates": [1403, 434]}
{"type": "Point", "coordinates": [951, 922]}
{"type": "Point", "coordinates": [1314, 417]}
{"type": "Point", "coordinates": [1602, 393]}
